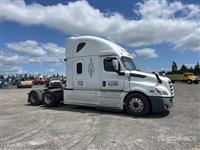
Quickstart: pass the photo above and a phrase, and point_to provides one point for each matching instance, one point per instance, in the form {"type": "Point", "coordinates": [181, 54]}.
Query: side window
{"type": "Point", "coordinates": [80, 46]}
{"type": "Point", "coordinates": [108, 64]}
{"type": "Point", "coordinates": [79, 68]}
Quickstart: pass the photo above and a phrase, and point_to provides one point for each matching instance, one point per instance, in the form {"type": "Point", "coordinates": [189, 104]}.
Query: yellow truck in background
{"type": "Point", "coordinates": [190, 78]}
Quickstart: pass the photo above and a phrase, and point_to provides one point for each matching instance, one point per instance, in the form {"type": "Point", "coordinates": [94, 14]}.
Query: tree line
{"type": "Point", "coordinates": [183, 69]}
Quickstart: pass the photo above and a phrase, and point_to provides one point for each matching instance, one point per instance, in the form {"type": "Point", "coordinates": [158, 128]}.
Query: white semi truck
{"type": "Point", "coordinates": [100, 73]}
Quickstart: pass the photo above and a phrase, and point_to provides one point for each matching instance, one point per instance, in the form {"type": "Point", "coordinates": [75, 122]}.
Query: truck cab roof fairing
{"type": "Point", "coordinates": [93, 46]}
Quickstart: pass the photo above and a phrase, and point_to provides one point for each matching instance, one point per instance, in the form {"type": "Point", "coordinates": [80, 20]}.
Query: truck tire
{"type": "Point", "coordinates": [189, 81]}
{"type": "Point", "coordinates": [196, 82]}
{"type": "Point", "coordinates": [49, 99]}
{"type": "Point", "coordinates": [137, 104]}
{"type": "Point", "coordinates": [35, 97]}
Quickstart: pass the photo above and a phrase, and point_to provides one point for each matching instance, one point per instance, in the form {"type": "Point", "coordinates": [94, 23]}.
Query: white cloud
{"type": "Point", "coordinates": [133, 55]}
{"type": "Point", "coordinates": [159, 21]}
{"type": "Point", "coordinates": [8, 70]}
{"type": "Point", "coordinates": [190, 41]}
{"type": "Point", "coordinates": [29, 46]}
{"type": "Point", "coordinates": [153, 9]}
{"type": "Point", "coordinates": [187, 65]}
{"type": "Point", "coordinates": [10, 58]}
{"type": "Point", "coordinates": [35, 52]}
{"type": "Point", "coordinates": [146, 53]}
{"type": "Point", "coordinates": [54, 48]}
{"type": "Point", "coordinates": [25, 52]}
{"type": "Point", "coordinates": [51, 71]}
{"type": "Point", "coordinates": [10, 63]}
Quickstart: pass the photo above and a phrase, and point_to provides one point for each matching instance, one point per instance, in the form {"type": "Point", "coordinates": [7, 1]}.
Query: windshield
{"type": "Point", "coordinates": [128, 63]}
{"type": "Point", "coordinates": [191, 74]}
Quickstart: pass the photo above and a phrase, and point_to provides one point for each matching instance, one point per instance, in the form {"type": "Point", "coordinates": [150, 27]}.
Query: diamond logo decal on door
{"type": "Point", "coordinates": [91, 68]}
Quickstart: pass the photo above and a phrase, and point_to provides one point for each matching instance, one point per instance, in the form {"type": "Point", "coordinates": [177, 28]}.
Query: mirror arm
{"type": "Point", "coordinates": [120, 73]}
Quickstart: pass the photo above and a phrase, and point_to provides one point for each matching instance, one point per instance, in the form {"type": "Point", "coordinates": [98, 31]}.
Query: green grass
{"type": "Point", "coordinates": [175, 77]}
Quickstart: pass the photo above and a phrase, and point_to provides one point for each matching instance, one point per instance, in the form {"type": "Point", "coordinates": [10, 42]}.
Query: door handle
{"type": "Point", "coordinates": [104, 83]}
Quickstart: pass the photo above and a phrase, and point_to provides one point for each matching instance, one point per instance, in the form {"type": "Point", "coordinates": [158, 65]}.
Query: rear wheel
{"type": "Point", "coordinates": [35, 97]}
{"type": "Point", "coordinates": [49, 99]}
{"type": "Point", "coordinates": [137, 104]}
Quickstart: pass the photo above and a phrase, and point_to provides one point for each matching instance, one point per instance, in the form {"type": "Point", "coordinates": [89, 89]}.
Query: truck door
{"type": "Point", "coordinates": [84, 82]}
{"type": "Point", "coordinates": [112, 84]}
{"type": "Point", "coordinates": [111, 80]}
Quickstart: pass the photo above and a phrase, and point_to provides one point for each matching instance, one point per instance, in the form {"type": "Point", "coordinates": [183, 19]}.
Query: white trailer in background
{"type": "Point", "coordinates": [102, 74]}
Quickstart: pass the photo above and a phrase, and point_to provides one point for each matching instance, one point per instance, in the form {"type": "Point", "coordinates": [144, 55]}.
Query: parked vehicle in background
{"type": "Point", "coordinates": [63, 80]}
{"type": "Point", "coordinates": [25, 83]}
{"type": "Point", "coordinates": [3, 83]}
{"type": "Point", "coordinates": [53, 83]}
{"type": "Point", "coordinates": [190, 78]}
{"type": "Point", "coordinates": [39, 81]}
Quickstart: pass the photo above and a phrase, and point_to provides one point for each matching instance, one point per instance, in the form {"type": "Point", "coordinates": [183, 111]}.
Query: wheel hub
{"type": "Point", "coordinates": [48, 98]}
{"type": "Point", "coordinates": [136, 105]}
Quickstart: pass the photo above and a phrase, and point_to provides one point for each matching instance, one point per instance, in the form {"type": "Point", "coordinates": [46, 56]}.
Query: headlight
{"type": "Point", "coordinates": [161, 92]}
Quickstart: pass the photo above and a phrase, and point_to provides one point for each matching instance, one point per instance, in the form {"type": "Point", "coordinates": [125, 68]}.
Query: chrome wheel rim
{"type": "Point", "coordinates": [136, 105]}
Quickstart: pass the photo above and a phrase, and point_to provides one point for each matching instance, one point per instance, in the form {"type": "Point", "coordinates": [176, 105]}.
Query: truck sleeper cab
{"type": "Point", "coordinates": [100, 73]}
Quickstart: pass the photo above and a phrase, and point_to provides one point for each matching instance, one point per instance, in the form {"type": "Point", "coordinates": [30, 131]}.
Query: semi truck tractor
{"type": "Point", "coordinates": [100, 73]}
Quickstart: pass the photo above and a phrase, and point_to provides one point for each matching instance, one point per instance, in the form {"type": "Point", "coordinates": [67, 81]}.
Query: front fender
{"type": "Point", "coordinates": [147, 88]}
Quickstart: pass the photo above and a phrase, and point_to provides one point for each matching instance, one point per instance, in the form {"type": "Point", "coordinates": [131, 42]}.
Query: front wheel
{"type": "Point", "coordinates": [49, 99]}
{"type": "Point", "coordinates": [189, 81]}
{"type": "Point", "coordinates": [137, 104]}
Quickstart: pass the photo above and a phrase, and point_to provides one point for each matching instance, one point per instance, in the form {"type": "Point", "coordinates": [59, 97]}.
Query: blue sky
{"type": "Point", "coordinates": [155, 32]}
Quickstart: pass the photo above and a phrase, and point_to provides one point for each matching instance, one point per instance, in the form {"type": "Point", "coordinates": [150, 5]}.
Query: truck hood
{"type": "Point", "coordinates": [143, 73]}
{"type": "Point", "coordinates": [150, 76]}
{"type": "Point", "coordinates": [139, 78]}
{"type": "Point", "coordinates": [193, 77]}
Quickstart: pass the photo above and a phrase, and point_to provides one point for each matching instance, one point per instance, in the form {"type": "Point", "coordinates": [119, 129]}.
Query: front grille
{"type": "Point", "coordinates": [171, 88]}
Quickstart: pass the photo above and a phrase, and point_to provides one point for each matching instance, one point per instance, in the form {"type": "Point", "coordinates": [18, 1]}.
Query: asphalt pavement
{"type": "Point", "coordinates": [25, 127]}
